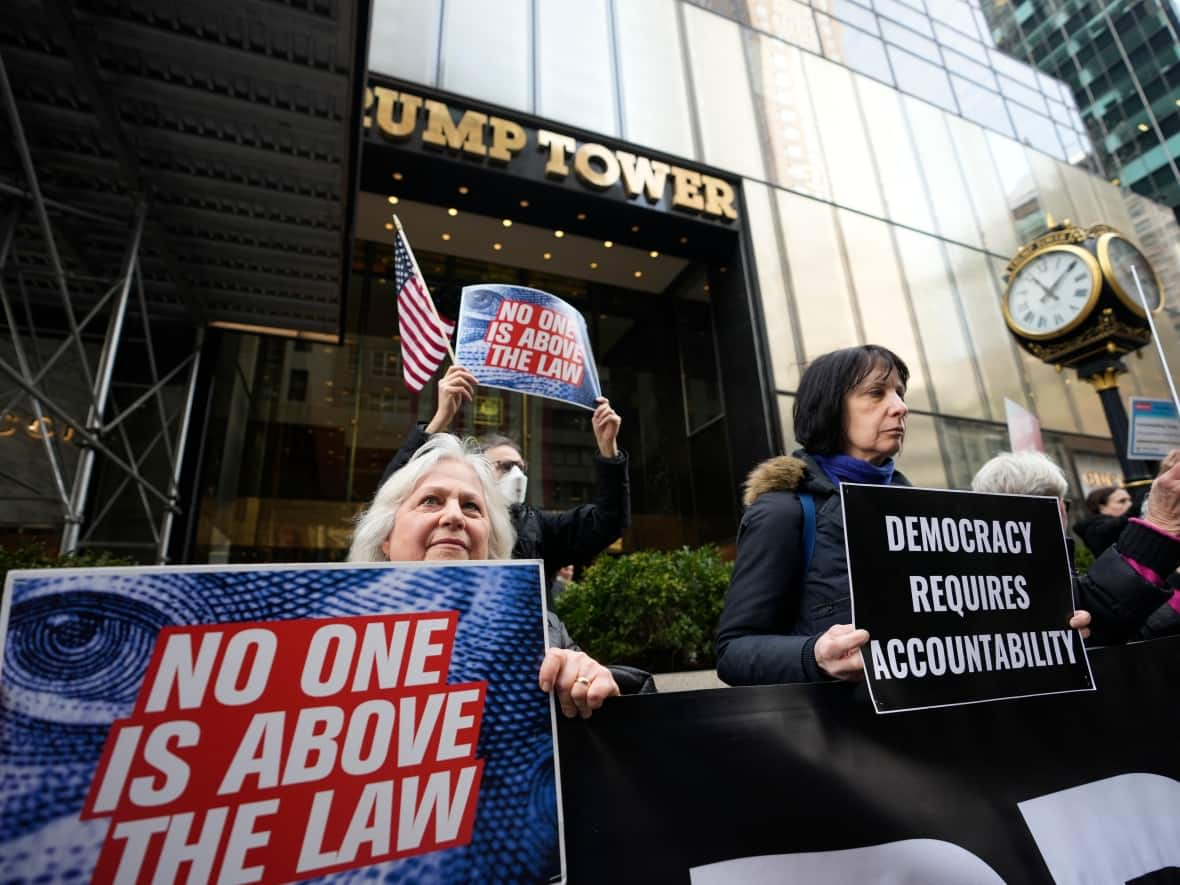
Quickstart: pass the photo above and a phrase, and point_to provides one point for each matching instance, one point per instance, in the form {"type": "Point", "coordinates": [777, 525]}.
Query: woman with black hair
{"type": "Point", "coordinates": [787, 613]}
{"type": "Point", "coordinates": [1107, 514]}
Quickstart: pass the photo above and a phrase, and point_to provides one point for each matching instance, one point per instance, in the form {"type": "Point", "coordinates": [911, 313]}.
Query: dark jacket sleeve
{"type": "Point", "coordinates": [1118, 598]}
{"type": "Point", "coordinates": [763, 600]}
{"type": "Point", "coordinates": [631, 680]}
{"type": "Point", "coordinates": [415, 439]}
{"type": "Point", "coordinates": [578, 535]}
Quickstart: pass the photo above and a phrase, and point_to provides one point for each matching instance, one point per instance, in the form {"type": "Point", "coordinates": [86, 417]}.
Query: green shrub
{"type": "Point", "coordinates": [653, 609]}
{"type": "Point", "coordinates": [36, 556]}
{"type": "Point", "coordinates": [1082, 558]}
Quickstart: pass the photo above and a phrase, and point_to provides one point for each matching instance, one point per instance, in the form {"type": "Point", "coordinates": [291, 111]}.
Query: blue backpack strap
{"type": "Point", "coordinates": [808, 504]}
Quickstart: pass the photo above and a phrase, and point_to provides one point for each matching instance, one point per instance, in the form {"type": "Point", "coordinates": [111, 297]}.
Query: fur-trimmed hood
{"type": "Point", "coordinates": [781, 474]}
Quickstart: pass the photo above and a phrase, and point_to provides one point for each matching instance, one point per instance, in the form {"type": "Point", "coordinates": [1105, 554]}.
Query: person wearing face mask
{"type": "Point", "coordinates": [558, 538]}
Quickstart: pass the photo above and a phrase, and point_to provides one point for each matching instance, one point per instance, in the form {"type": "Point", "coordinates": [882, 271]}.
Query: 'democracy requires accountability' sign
{"type": "Point", "coordinates": [966, 596]}
{"type": "Point", "coordinates": [273, 724]}
{"type": "Point", "coordinates": [529, 341]}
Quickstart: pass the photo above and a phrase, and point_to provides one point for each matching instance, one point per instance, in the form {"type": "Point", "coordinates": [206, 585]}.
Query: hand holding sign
{"type": "Point", "coordinates": [529, 341]}
{"type": "Point", "coordinates": [837, 652]}
{"type": "Point", "coordinates": [606, 422]}
{"type": "Point", "coordinates": [455, 388]}
{"type": "Point", "coordinates": [1163, 504]}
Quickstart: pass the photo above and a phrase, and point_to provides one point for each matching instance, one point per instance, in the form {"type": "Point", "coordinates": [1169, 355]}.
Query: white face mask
{"type": "Point", "coordinates": [514, 484]}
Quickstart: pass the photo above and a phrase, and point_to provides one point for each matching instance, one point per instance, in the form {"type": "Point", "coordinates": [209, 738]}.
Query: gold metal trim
{"type": "Point", "coordinates": [1135, 483]}
{"type": "Point", "coordinates": [1107, 379]}
{"type": "Point", "coordinates": [1131, 300]}
{"type": "Point", "coordinates": [1087, 309]}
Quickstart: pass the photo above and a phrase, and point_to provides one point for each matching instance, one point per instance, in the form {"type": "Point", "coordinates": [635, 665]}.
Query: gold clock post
{"type": "Point", "coordinates": [1069, 302]}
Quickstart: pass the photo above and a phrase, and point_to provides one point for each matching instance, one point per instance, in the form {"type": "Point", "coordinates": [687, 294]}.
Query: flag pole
{"type": "Point", "coordinates": [1155, 336]}
{"type": "Point", "coordinates": [401, 231]}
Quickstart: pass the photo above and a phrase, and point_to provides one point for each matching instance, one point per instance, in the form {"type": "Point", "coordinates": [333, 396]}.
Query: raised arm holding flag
{"type": "Point", "coordinates": [425, 335]}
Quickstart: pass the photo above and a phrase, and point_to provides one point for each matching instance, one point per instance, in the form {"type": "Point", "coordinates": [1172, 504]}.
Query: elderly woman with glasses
{"type": "Point", "coordinates": [558, 538]}
{"type": "Point", "coordinates": [445, 505]}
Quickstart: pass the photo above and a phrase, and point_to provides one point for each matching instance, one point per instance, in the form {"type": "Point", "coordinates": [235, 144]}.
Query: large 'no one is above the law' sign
{"type": "Point", "coordinates": [966, 596]}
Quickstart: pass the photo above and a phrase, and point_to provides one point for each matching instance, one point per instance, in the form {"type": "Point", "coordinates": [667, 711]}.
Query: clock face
{"type": "Point", "coordinates": [1119, 257]}
{"type": "Point", "coordinates": [1052, 291]}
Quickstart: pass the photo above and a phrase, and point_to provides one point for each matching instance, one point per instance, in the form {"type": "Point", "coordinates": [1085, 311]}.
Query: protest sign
{"type": "Point", "coordinates": [966, 596]}
{"type": "Point", "coordinates": [269, 725]}
{"type": "Point", "coordinates": [528, 341]}
{"type": "Point", "coordinates": [1155, 429]}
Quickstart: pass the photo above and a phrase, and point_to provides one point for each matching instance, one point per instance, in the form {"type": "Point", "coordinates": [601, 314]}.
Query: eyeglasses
{"type": "Point", "coordinates": [503, 467]}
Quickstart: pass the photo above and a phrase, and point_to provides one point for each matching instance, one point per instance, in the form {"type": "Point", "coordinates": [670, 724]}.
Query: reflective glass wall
{"type": "Point", "coordinates": [893, 160]}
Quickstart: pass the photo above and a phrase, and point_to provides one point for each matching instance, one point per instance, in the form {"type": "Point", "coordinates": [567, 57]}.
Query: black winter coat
{"type": "Point", "coordinates": [773, 614]}
{"type": "Point", "coordinates": [1101, 531]}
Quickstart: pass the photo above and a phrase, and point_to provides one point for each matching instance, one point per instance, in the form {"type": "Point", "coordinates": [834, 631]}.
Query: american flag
{"type": "Point", "coordinates": [425, 335]}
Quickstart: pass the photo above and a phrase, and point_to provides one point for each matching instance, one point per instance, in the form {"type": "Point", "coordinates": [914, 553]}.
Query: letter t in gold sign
{"type": "Point", "coordinates": [558, 146]}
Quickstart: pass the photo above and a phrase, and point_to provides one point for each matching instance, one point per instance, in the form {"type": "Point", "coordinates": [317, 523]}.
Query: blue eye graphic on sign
{"type": "Point", "coordinates": [529, 341]}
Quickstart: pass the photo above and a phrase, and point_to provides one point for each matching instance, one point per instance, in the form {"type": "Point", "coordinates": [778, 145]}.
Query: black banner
{"type": "Point", "coordinates": [1024, 791]}
{"type": "Point", "coordinates": [966, 596]}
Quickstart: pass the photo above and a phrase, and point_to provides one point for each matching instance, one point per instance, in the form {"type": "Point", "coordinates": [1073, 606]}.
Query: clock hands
{"type": "Point", "coordinates": [1049, 293]}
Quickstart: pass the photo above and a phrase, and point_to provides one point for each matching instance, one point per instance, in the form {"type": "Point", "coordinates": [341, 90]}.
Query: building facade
{"type": "Point", "coordinates": [726, 190]}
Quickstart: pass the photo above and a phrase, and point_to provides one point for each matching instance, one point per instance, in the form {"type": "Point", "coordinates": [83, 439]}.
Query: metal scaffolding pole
{"type": "Point", "coordinates": [186, 418]}
{"type": "Point", "coordinates": [102, 388]}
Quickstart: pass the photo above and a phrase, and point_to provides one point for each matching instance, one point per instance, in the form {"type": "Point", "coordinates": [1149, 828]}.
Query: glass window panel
{"type": "Point", "coordinates": [880, 294]}
{"type": "Point", "coordinates": [1023, 94]}
{"type": "Point", "coordinates": [725, 106]}
{"type": "Point", "coordinates": [1036, 130]}
{"type": "Point", "coordinates": [1048, 85]}
{"type": "Point", "coordinates": [1059, 112]}
{"type": "Point", "coordinates": [488, 56]}
{"type": "Point", "coordinates": [909, 17]}
{"type": "Point", "coordinates": [792, 138]}
{"type": "Point", "coordinates": [575, 76]}
{"type": "Point", "coordinates": [943, 177]}
{"type": "Point", "coordinates": [818, 279]}
{"type": "Point", "coordinates": [845, 143]}
{"type": "Point", "coordinates": [655, 99]}
{"type": "Point", "coordinates": [1077, 147]}
{"type": "Point", "coordinates": [907, 39]}
{"type": "Point", "coordinates": [851, 13]}
{"type": "Point", "coordinates": [985, 187]}
{"type": "Point", "coordinates": [982, 105]}
{"type": "Point", "coordinates": [906, 201]}
{"type": "Point", "coordinates": [961, 43]}
{"type": "Point", "coordinates": [854, 48]}
{"type": "Point", "coordinates": [403, 42]}
{"type": "Point", "coordinates": [787, 19]}
{"type": "Point", "coordinates": [993, 346]}
{"type": "Point", "coordinates": [954, 13]}
{"type": "Point", "coordinates": [982, 29]}
{"type": "Point", "coordinates": [922, 78]}
{"type": "Point", "coordinates": [1018, 185]}
{"type": "Point", "coordinates": [973, 71]}
{"type": "Point", "coordinates": [1053, 196]}
{"type": "Point", "coordinates": [948, 353]}
{"type": "Point", "coordinates": [969, 445]}
{"type": "Point", "coordinates": [776, 312]}
{"type": "Point", "coordinates": [921, 456]}
{"type": "Point", "coordinates": [1012, 68]}
{"type": "Point", "coordinates": [1077, 183]}
{"type": "Point", "coordinates": [1050, 401]}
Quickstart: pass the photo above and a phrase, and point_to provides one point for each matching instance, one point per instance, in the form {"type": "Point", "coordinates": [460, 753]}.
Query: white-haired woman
{"type": "Point", "coordinates": [1123, 592]}
{"type": "Point", "coordinates": [445, 505]}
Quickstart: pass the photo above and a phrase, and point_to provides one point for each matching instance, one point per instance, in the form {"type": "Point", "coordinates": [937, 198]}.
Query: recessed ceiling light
{"type": "Point", "coordinates": [463, 189]}
{"type": "Point", "coordinates": [507, 222]}
{"type": "Point", "coordinates": [1115, 181]}
{"type": "Point", "coordinates": [582, 215]}
{"type": "Point", "coordinates": [446, 236]}
{"type": "Point", "coordinates": [452, 212]}
{"type": "Point", "coordinates": [638, 274]}
{"type": "Point", "coordinates": [389, 225]}
{"type": "Point", "coordinates": [654, 254]}
{"type": "Point", "coordinates": [524, 204]}
{"type": "Point", "coordinates": [547, 255]}
{"type": "Point", "coordinates": [635, 228]}
{"type": "Point", "coordinates": [392, 200]}
{"type": "Point", "coordinates": [608, 244]}
{"type": "Point", "coordinates": [497, 246]}
{"type": "Point", "coordinates": [683, 240]}
{"type": "Point", "coordinates": [397, 176]}
{"type": "Point", "coordinates": [559, 234]}
{"type": "Point", "coordinates": [1142, 127]}
{"type": "Point", "coordinates": [594, 265]}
